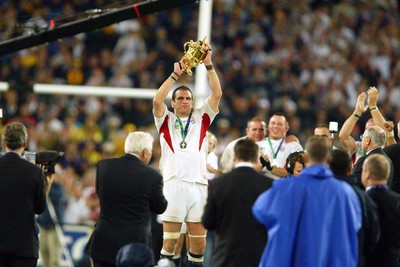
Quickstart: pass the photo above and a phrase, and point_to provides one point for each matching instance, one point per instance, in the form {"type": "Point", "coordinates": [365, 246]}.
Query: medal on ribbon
{"type": "Point", "coordinates": [184, 131]}
{"type": "Point", "coordinates": [183, 144]}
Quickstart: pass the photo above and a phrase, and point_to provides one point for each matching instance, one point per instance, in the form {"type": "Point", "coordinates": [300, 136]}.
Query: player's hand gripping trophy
{"type": "Point", "coordinates": [195, 52]}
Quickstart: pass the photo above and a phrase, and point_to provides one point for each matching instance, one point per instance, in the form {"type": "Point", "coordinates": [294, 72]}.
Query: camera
{"type": "Point", "coordinates": [47, 160]}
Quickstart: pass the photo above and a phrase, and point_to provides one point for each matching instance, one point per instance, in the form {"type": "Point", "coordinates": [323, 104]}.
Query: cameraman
{"type": "Point", "coordinates": [23, 191]}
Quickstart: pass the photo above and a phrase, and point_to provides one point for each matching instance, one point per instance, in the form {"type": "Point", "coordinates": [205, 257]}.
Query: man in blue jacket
{"type": "Point", "coordinates": [313, 219]}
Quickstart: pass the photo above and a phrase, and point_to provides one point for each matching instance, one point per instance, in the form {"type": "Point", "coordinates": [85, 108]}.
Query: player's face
{"type": "Point", "coordinates": [255, 131]}
{"type": "Point", "coordinates": [277, 127]}
{"type": "Point", "coordinates": [322, 132]}
{"type": "Point", "coordinates": [183, 103]}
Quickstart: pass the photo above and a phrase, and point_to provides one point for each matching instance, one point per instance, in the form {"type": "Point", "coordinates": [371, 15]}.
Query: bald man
{"type": "Point", "coordinates": [375, 176]}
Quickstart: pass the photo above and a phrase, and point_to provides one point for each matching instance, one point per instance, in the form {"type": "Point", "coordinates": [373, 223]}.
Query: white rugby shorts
{"type": "Point", "coordinates": [186, 201]}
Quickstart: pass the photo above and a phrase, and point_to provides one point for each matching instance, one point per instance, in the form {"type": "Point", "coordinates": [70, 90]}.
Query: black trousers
{"type": "Point", "coordinates": [101, 264]}
{"type": "Point", "coordinates": [10, 260]}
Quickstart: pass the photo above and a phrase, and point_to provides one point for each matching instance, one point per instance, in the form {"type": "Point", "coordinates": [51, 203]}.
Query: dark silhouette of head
{"type": "Point", "coordinates": [135, 255]}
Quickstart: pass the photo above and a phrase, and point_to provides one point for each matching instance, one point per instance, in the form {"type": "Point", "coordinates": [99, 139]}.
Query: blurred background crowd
{"type": "Point", "coordinates": [307, 59]}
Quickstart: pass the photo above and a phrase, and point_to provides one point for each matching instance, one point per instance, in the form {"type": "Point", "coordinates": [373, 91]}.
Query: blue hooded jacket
{"type": "Point", "coordinates": [312, 221]}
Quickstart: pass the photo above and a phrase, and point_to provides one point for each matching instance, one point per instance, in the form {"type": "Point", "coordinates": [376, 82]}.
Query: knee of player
{"type": "Point", "coordinates": [170, 240]}
{"type": "Point", "coordinates": [197, 243]}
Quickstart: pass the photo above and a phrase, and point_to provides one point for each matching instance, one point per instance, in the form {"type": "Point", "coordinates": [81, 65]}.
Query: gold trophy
{"type": "Point", "coordinates": [194, 54]}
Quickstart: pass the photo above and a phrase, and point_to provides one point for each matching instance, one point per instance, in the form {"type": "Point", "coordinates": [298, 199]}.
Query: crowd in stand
{"type": "Point", "coordinates": [309, 60]}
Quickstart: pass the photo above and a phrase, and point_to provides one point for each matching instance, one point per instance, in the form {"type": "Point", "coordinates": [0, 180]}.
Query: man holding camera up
{"type": "Point", "coordinates": [23, 191]}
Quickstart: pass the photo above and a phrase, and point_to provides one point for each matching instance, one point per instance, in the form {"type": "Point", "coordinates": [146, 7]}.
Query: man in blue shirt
{"type": "Point", "coordinates": [313, 219]}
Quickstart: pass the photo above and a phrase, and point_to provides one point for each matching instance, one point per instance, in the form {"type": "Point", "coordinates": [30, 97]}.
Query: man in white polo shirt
{"type": "Point", "coordinates": [274, 150]}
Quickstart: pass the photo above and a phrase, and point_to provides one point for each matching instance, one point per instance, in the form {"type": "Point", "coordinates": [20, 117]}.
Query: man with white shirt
{"type": "Point", "coordinates": [183, 162]}
{"type": "Point", "coordinates": [256, 131]}
{"type": "Point", "coordinates": [274, 150]}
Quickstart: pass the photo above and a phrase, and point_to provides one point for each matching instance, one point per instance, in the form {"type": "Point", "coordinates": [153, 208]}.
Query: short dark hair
{"type": "Point", "coordinates": [292, 159]}
{"type": "Point", "coordinates": [317, 149]}
{"type": "Point", "coordinates": [279, 114]}
{"type": "Point", "coordinates": [183, 88]}
{"type": "Point", "coordinates": [322, 125]}
{"type": "Point", "coordinates": [257, 119]}
{"type": "Point", "coordinates": [246, 150]}
{"type": "Point", "coordinates": [340, 162]}
{"type": "Point", "coordinates": [14, 135]}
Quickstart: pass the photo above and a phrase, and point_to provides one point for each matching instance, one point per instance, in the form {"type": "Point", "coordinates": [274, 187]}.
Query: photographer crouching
{"type": "Point", "coordinates": [23, 190]}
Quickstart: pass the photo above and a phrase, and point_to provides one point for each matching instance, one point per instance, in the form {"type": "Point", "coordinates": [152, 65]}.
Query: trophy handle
{"type": "Point", "coordinates": [186, 46]}
{"type": "Point", "coordinates": [205, 52]}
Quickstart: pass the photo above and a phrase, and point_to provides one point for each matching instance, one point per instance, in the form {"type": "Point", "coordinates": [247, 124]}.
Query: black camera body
{"type": "Point", "coordinates": [47, 160]}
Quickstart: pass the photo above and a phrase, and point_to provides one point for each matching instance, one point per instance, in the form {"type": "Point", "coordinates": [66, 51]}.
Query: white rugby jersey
{"type": "Point", "coordinates": [185, 164]}
{"type": "Point", "coordinates": [227, 159]}
{"type": "Point", "coordinates": [282, 151]}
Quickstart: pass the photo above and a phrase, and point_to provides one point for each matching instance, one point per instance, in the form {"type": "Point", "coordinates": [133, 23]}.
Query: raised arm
{"type": "Point", "coordinates": [215, 86]}
{"type": "Point", "coordinates": [389, 128]}
{"type": "Point", "coordinates": [377, 116]}
{"type": "Point", "coordinates": [159, 105]}
{"type": "Point", "coordinates": [347, 141]}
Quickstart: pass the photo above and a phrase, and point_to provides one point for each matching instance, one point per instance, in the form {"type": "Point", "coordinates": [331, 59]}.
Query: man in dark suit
{"type": "Point", "coordinates": [393, 152]}
{"type": "Point", "coordinates": [341, 164]}
{"type": "Point", "coordinates": [374, 177]}
{"type": "Point", "coordinates": [23, 190]}
{"type": "Point", "coordinates": [128, 191]}
{"type": "Point", "coordinates": [240, 239]}
{"type": "Point", "coordinates": [372, 142]}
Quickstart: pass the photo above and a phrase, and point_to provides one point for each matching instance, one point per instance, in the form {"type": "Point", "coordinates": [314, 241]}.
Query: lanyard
{"type": "Point", "coordinates": [184, 131]}
{"type": "Point", "coordinates": [274, 154]}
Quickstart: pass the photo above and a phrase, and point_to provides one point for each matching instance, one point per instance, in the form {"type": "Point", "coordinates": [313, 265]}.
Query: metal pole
{"type": "Point", "coordinates": [60, 233]}
{"type": "Point", "coordinates": [61, 89]}
{"type": "Point", "coordinates": [201, 80]}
